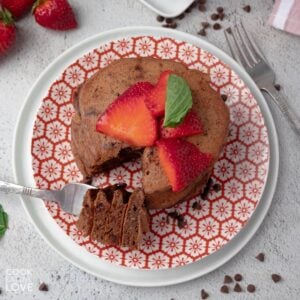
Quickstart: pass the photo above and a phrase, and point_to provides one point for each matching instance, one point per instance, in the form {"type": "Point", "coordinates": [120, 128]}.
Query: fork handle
{"type": "Point", "coordinates": [11, 188]}
{"type": "Point", "coordinates": [286, 110]}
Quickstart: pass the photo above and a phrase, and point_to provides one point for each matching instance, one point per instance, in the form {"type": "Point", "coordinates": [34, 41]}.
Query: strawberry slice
{"type": "Point", "coordinates": [128, 119]}
{"type": "Point", "coordinates": [156, 98]}
{"type": "Point", "coordinates": [182, 162]}
{"type": "Point", "coordinates": [191, 125]}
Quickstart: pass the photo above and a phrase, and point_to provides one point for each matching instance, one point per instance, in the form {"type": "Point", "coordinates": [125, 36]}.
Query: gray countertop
{"type": "Point", "coordinates": [279, 235]}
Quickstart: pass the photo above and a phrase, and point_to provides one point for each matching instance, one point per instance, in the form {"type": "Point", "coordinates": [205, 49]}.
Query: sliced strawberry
{"type": "Point", "coordinates": [54, 14]}
{"type": "Point", "coordinates": [191, 125]}
{"type": "Point", "coordinates": [182, 162]}
{"type": "Point", "coordinates": [156, 98]}
{"type": "Point", "coordinates": [128, 119]}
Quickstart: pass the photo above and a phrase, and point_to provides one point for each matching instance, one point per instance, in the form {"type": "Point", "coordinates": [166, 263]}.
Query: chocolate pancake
{"type": "Point", "coordinates": [95, 152]}
{"type": "Point", "coordinates": [113, 216]}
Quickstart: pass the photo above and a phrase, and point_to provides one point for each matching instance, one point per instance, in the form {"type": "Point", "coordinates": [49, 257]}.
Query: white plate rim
{"type": "Point", "coordinates": [76, 254]}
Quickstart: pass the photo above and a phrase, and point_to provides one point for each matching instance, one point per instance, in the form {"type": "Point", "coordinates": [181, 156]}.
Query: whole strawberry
{"type": "Point", "coordinates": [54, 14]}
{"type": "Point", "coordinates": [7, 31]}
{"type": "Point", "coordinates": [17, 7]}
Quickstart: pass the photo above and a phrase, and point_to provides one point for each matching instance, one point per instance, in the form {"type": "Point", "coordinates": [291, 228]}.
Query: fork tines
{"type": "Point", "coordinates": [242, 46]}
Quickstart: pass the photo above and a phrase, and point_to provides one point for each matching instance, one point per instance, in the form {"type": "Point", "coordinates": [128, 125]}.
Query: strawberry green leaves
{"type": "Point", "coordinates": [3, 221]}
{"type": "Point", "coordinates": [179, 101]}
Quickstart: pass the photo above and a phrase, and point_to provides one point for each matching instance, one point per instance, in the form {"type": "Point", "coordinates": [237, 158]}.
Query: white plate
{"type": "Point", "coordinates": [168, 8]}
{"type": "Point", "coordinates": [77, 255]}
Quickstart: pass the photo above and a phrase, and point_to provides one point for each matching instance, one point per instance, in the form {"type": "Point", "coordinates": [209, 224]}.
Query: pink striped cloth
{"type": "Point", "coordinates": [286, 16]}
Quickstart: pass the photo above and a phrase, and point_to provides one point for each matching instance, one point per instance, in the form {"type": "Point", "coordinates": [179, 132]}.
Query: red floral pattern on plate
{"type": "Point", "coordinates": [241, 170]}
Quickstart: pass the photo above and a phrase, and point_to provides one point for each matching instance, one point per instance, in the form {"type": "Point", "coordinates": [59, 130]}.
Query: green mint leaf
{"type": "Point", "coordinates": [179, 101]}
{"type": "Point", "coordinates": [3, 221]}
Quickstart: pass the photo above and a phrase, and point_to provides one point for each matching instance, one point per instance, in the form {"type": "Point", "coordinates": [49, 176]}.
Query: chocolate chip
{"type": "Point", "coordinates": [277, 87]}
{"type": "Point", "coordinates": [260, 257]}
{"type": "Point", "coordinates": [217, 187]}
{"type": "Point", "coordinates": [205, 24]}
{"type": "Point", "coordinates": [43, 287]}
{"type": "Point", "coordinates": [221, 16]}
{"type": "Point", "coordinates": [202, 7]}
{"type": "Point", "coordinates": [238, 277]}
{"type": "Point", "coordinates": [247, 8]}
{"type": "Point", "coordinates": [201, 1]}
{"type": "Point", "coordinates": [251, 288]}
{"type": "Point", "coordinates": [204, 294]}
{"type": "Point", "coordinates": [169, 20]}
{"type": "Point", "coordinates": [237, 288]}
{"type": "Point", "coordinates": [181, 222]}
{"type": "Point", "coordinates": [224, 97]}
{"type": "Point", "coordinates": [220, 9]}
{"type": "Point", "coordinates": [227, 279]}
{"type": "Point", "coordinates": [180, 17]}
{"type": "Point", "coordinates": [173, 214]}
{"type": "Point", "coordinates": [189, 9]}
{"type": "Point", "coordinates": [224, 289]}
{"type": "Point", "coordinates": [214, 17]}
{"type": "Point", "coordinates": [173, 25]}
{"type": "Point", "coordinates": [207, 189]}
{"type": "Point", "coordinates": [160, 18]}
{"type": "Point", "coordinates": [202, 32]}
{"type": "Point", "coordinates": [229, 30]}
{"type": "Point", "coordinates": [276, 278]}
{"type": "Point", "coordinates": [217, 26]}
{"type": "Point", "coordinates": [0, 291]}
{"type": "Point", "coordinates": [196, 205]}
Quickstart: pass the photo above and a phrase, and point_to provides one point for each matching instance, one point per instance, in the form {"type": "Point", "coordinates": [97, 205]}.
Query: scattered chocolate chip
{"type": "Point", "coordinates": [180, 17]}
{"type": "Point", "coordinates": [238, 277]}
{"type": "Point", "coordinates": [217, 187]}
{"type": "Point", "coordinates": [0, 291]}
{"type": "Point", "coordinates": [58, 277]}
{"type": "Point", "coordinates": [224, 289]}
{"type": "Point", "coordinates": [217, 26]}
{"type": "Point", "coordinates": [224, 97]}
{"type": "Point", "coordinates": [205, 24]}
{"type": "Point", "coordinates": [202, 7]}
{"type": "Point", "coordinates": [237, 288]}
{"type": "Point", "coordinates": [277, 87]}
{"type": "Point", "coordinates": [43, 287]}
{"type": "Point", "coordinates": [276, 278]}
{"type": "Point", "coordinates": [204, 294]}
{"type": "Point", "coordinates": [221, 16]}
{"type": "Point", "coordinates": [260, 257]}
{"type": "Point", "coordinates": [173, 25]}
{"type": "Point", "coordinates": [247, 8]}
{"type": "Point", "coordinates": [196, 205]}
{"type": "Point", "coordinates": [160, 18]}
{"type": "Point", "coordinates": [220, 9]}
{"type": "Point", "coordinates": [207, 189]}
{"type": "Point", "coordinates": [202, 32]}
{"type": "Point", "coordinates": [194, 4]}
{"type": "Point", "coordinates": [189, 9]}
{"type": "Point", "coordinates": [251, 288]}
{"type": "Point", "coordinates": [181, 222]}
{"type": "Point", "coordinates": [227, 279]}
{"type": "Point", "coordinates": [229, 30]}
{"type": "Point", "coordinates": [169, 20]}
{"type": "Point", "coordinates": [173, 214]}
{"type": "Point", "coordinates": [214, 17]}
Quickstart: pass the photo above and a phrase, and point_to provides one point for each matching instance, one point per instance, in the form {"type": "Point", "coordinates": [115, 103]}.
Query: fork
{"type": "Point", "coordinates": [70, 197]}
{"type": "Point", "coordinates": [246, 52]}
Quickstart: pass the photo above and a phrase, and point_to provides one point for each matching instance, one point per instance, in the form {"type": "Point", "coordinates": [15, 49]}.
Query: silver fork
{"type": "Point", "coordinates": [245, 51]}
{"type": "Point", "coordinates": [70, 197]}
